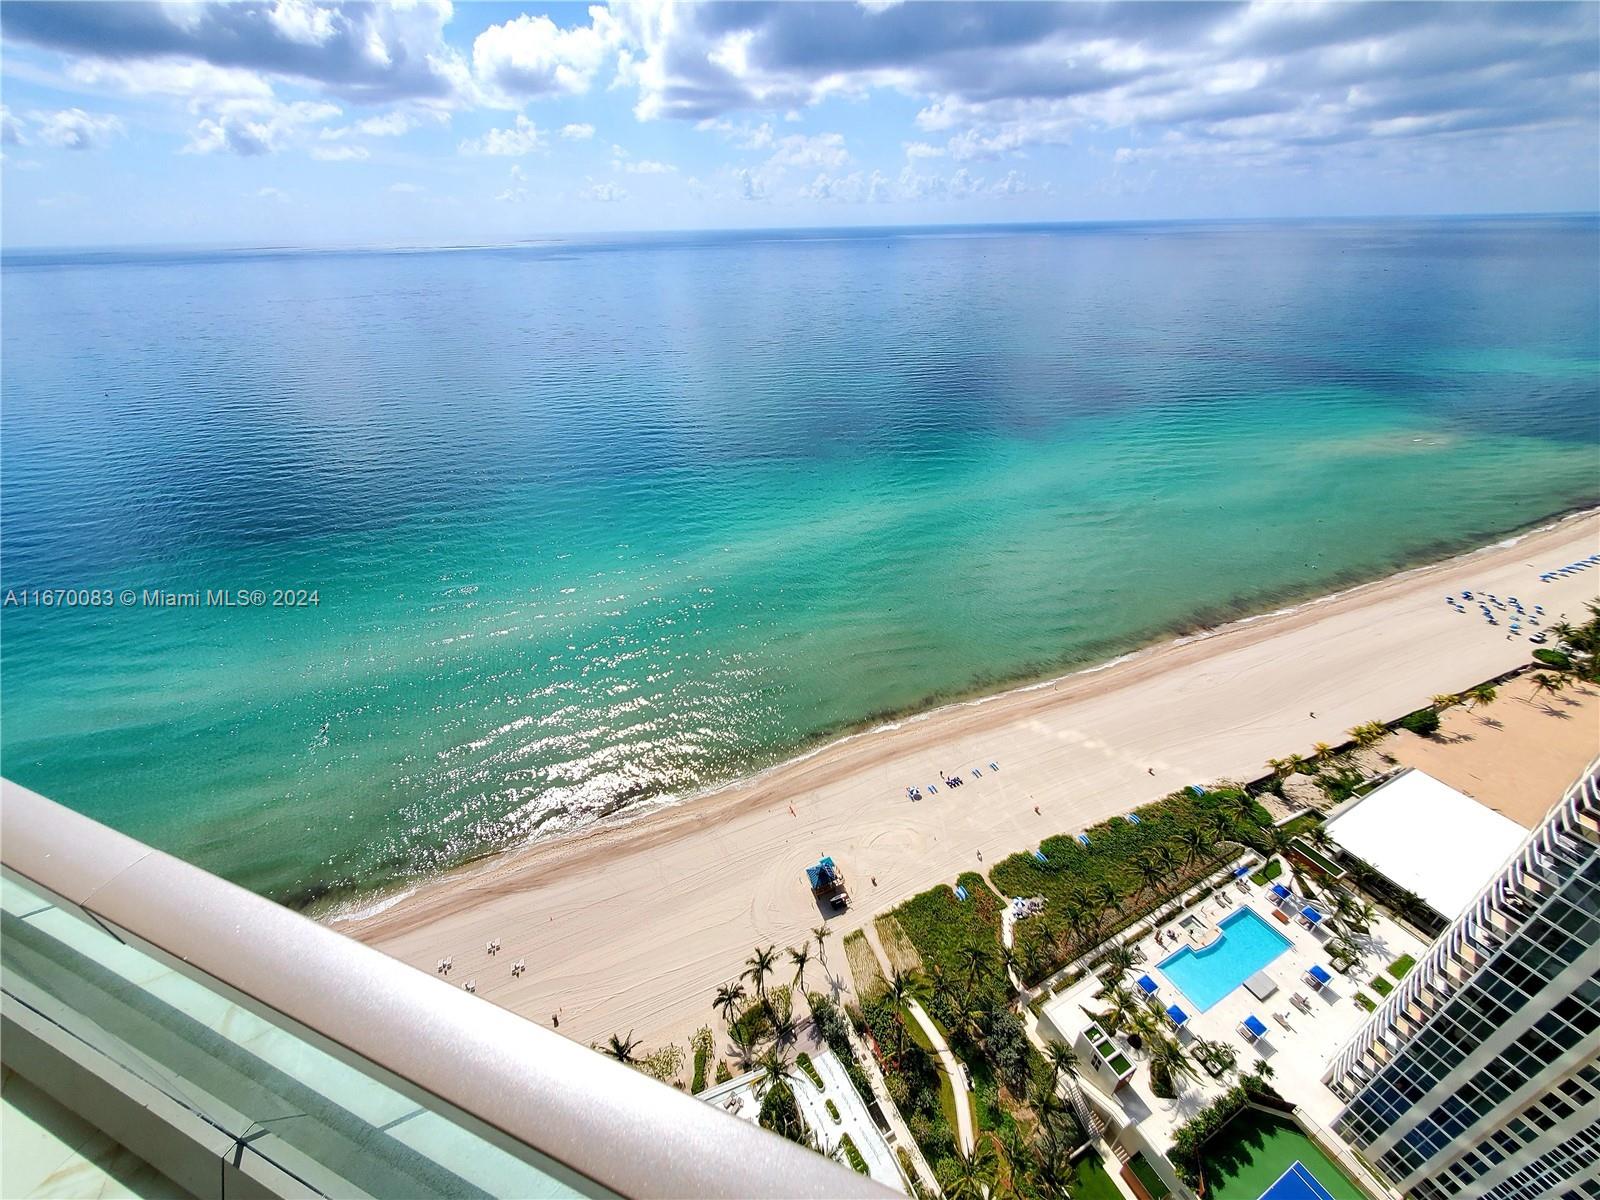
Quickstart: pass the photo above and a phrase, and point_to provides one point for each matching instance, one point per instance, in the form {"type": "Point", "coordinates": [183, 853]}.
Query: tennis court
{"type": "Point", "coordinates": [1297, 1183]}
{"type": "Point", "coordinates": [1267, 1156]}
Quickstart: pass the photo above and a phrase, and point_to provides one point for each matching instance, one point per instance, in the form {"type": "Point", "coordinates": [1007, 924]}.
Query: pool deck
{"type": "Point", "coordinates": [1298, 1054]}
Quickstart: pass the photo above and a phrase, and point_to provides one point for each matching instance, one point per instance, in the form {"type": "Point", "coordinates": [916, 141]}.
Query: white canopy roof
{"type": "Point", "coordinates": [1429, 838]}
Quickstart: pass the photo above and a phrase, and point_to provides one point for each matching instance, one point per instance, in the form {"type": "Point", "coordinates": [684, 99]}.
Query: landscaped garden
{"type": "Point", "coordinates": [1127, 869]}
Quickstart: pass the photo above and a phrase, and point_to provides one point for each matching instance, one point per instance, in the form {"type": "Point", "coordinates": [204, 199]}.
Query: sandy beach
{"type": "Point", "coordinates": [632, 926]}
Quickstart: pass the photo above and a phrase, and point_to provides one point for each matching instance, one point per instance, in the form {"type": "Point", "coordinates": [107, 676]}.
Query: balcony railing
{"type": "Point", "coordinates": [323, 1066]}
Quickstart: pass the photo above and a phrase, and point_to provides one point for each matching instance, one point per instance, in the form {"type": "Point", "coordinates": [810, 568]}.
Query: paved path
{"type": "Point", "coordinates": [952, 1069]}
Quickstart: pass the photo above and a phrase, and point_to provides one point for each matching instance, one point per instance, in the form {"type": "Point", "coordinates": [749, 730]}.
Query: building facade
{"type": "Point", "coordinates": [1480, 1074]}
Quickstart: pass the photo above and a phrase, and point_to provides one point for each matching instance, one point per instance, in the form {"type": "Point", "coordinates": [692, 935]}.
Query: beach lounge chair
{"type": "Point", "coordinates": [977, 774]}
{"type": "Point", "coordinates": [1316, 978]}
{"type": "Point", "coordinates": [1083, 839]}
{"type": "Point", "coordinates": [1310, 917]}
{"type": "Point", "coordinates": [1177, 1016]}
{"type": "Point", "coordinates": [1240, 872]}
{"type": "Point", "coordinates": [1039, 854]}
{"type": "Point", "coordinates": [1132, 819]}
{"type": "Point", "coordinates": [1197, 789]}
{"type": "Point", "coordinates": [1251, 1029]}
{"type": "Point", "coordinates": [994, 766]}
{"type": "Point", "coordinates": [1147, 985]}
{"type": "Point", "coordinates": [961, 892]}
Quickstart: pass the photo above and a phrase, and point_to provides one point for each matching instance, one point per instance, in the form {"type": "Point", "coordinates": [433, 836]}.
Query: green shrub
{"type": "Point", "coordinates": [1381, 985]}
{"type": "Point", "coordinates": [1553, 658]}
{"type": "Point", "coordinates": [1366, 1002]}
{"type": "Point", "coordinates": [833, 1111]}
{"type": "Point", "coordinates": [1401, 965]}
{"type": "Point", "coordinates": [1424, 722]}
{"type": "Point", "coordinates": [1147, 1176]}
{"type": "Point", "coordinates": [835, 1030]}
{"type": "Point", "coordinates": [942, 928]}
{"type": "Point", "coordinates": [723, 1072]}
{"type": "Point", "coordinates": [803, 1061]}
{"type": "Point", "coordinates": [1073, 872]}
{"type": "Point", "coordinates": [702, 1043]}
{"type": "Point", "coordinates": [852, 1155]}
{"type": "Point", "coordinates": [1161, 1081]}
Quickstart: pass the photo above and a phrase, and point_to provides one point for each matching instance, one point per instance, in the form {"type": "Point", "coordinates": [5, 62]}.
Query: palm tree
{"type": "Point", "coordinates": [1444, 701]}
{"type": "Point", "coordinates": [1220, 826]}
{"type": "Point", "coordinates": [1481, 696]}
{"type": "Point", "coordinates": [1194, 843]}
{"type": "Point", "coordinates": [1122, 1007]}
{"type": "Point", "coordinates": [1548, 684]}
{"type": "Point", "coordinates": [978, 962]}
{"type": "Point", "coordinates": [1104, 893]}
{"type": "Point", "coordinates": [820, 935]}
{"type": "Point", "coordinates": [774, 1071]}
{"type": "Point", "coordinates": [1123, 957]}
{"type": "Point", "coordinates": [1172, 1059]}
{"type": "Point", "coordinates": [1062, 1059]}
{"type": "Point", "coordinates": [785, 1032]}
{"type": "Point", "coordinates": [728, 997]}
{"type": "Point", "coordinates": [1279, 768]}
{"type": "Point", "coordinates": [898, 992]}
{"type": "Point", "coordinates": [1320, 752]}
{"type": "Point", "coordinates": [622, 1048]}
{"type": "Point", "coordinates": [1166, 858]}
{"type": "Point", "coordinates": [1369, 733]}
{"type": "Point", "coordinates": [758, 966]}
{"type": "Point", "coordinates": [1150, 872]}
{"type": "Point", "coordinates": [974, 1174]}
{"type": "Point", "coordinates": [800, 958]}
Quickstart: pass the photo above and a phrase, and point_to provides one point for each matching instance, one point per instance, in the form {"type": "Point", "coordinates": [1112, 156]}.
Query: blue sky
{"type": "Point", "coordinates": [291, 122]}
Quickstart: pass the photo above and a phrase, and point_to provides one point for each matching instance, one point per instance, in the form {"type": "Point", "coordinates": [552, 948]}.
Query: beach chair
{"type": "Point", "coordinates": [1039, 854]}
{"type": "Point", "coordinates": [1316, 978]}
{"type": "Point", "coordinates": [1083, 840]}
{"type": "Point", "coordinates": [961, 892]}
{"type": "Point", "coordinates": [1252, 1029]}
{"type": "Point", "coordinates": [1147, 985]}
{"type": "Point", "coordinates": [1310, 917]}
{"type": "Point", "coordinates": [994, 766]}
{"type": "Point", "coordinates": [1177, 1016]}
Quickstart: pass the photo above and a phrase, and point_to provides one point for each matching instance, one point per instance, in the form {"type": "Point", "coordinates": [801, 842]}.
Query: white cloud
{"type": "Point", "coordinates": [340, 153]}
{"type": "Point", "coordinates": [272, 193]}
{"type": "Point", "coordinates": [577, 132]}
{"type": "Point", "coordinates": [924, 150]}
{"type": "Point", "coordinates": [193, 80]}
{"type": "Point", "coordinates": [254, 127]}
{"type": "Point", "coordinates": [511, 196]}
{"type": "Point", "coordinates": [745, 136]}
{"type": "Point", "coordinates": [816, 150]}
{"type": "Point", "coordinates": [405, 189]}
{"type": "Point", "coordinates": [74, 129]}
{"type": "Point", "coordinates": [602, 192]}
{"type": "Point", "coordinates": [11, 129]}
{"type": "Point", "coordinates": [533, 56]}
{"type": "Point", "coordinates": [854, 188]}
{"type": "Point", "coordinates": [521, 138]}
{"type": "Point", "coordinates": [648, 166]}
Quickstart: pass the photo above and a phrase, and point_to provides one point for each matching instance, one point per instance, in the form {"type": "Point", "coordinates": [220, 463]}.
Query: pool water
{"type": "Point", "coordinates": [1247, 943]}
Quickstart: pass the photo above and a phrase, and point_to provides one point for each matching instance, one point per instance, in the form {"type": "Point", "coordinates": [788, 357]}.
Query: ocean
{"type": "Point", "coordinates": [580, 526]}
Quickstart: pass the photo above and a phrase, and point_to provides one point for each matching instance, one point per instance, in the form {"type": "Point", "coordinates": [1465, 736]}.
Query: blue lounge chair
{"type": "Point", "coordinates": [1039, 854]}
{"type": "Point", "coordinates": [1197, 789]}
{"type": "Point", "coordinates": [1083, 839]}
{"type": "Point", "coordinates": [1147, 985]}
{"type": "Point", "coordinates": [1177, 1016]}
{"type": "Point", "coordinates": [1132, 818]}
{"type": "Point", "coordinates": [1252, 1029]}
{"type": "Point", "coordinates": [1281, 892]}
{"type": "Point", "coordinates": [1317, 977]}
{"type": "Point", "coordinates": [1240, 872]}
{"type": "Point", "coordinates": [933, 789]}
{"type": "Point", "coordinates": [1311, 917]}
{"type": "Point", "coordinates": [994, 766]}
{"type": "Point", "coordinates": [961, 892]}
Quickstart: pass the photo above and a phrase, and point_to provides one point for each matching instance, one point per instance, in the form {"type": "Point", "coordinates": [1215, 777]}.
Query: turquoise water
{"type": "Point", "coordinates": [605, 523]}
{"type": "Point", "coordinates": [1247, 943]}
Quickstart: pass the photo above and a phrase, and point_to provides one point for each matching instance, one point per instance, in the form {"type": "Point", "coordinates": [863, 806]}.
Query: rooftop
{"type": "Point", "coordinates": [1427, 837]}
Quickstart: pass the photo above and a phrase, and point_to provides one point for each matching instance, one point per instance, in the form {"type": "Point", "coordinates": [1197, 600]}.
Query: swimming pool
{"type": "Point", "coordinates": [1247, 943]}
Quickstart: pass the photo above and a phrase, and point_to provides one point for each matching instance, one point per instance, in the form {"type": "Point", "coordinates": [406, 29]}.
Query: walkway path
{"type": "Point", "coordinates": [952, 1069]}
{"type": "Point", "coordinates": [948, 1062]}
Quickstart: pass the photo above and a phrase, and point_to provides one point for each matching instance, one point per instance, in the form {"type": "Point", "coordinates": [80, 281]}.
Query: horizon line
{"type": "Point", "coordinates": [535, 239]}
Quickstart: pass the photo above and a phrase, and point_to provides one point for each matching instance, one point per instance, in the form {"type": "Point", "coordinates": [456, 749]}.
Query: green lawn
{"type": "Point", "coordinates": [1267, 873]}
{"type": "Point", "coordinates": [1147, 1176]}
{"type": "Point", "coordinates": [1401, 965]}
{"type": "Point", "coordinates": [1091, 1181]}
{"type": "Point", "coordinates": [1254, 1149]}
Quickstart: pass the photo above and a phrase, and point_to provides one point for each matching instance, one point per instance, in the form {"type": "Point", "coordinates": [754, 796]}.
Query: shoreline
{"type": "Point", "coordinates": [362, 904]}
{"type": "Point", "coordinates": [631, 925]}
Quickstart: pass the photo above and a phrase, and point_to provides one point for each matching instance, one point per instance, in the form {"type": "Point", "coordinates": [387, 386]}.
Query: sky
{"type": "Point", "coordinates": [355, 123]}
